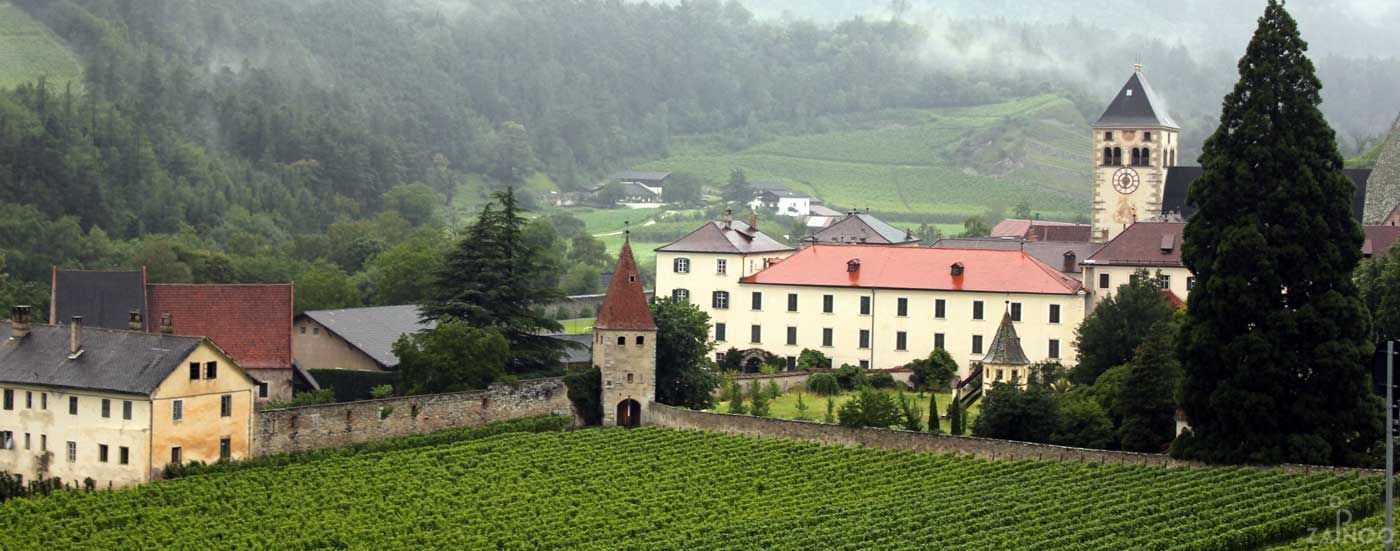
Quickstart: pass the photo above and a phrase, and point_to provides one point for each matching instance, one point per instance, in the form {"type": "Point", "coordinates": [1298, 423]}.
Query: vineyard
{"type": "Point", "coordinates": [664, 489]}
{"type": "Point", "coordinates": [944, 164]}
{"type": "Point", "coordinates": [29, 51]}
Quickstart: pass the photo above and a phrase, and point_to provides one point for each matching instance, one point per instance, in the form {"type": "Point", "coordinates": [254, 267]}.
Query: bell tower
{"type": "Point", "coordinates": [624, 346]}
{"type": "Point", "coordinates": [1135, 142]}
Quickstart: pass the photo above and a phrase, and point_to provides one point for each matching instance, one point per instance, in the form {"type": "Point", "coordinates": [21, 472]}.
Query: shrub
{"type": "Point", "coordinates": [934, 372]}
{"type": "Point", "coordinates": [758, 400]}
{"type": "Point", "coordinates": [736, 398]}
{"type": "Point", "coordinates": [881, 380]}
{"type": "Point", "coordinates": [381, 391]}
{"type": "Point", "coordinates": [353, 385]}
{"type": "Point", "coordinates": [933, 414]}
{"type": "Point", "coordinates": [850, 377]}
{"type": "Point", "coordinates": [870, 408]}
{"type": "Point", "coordinates": [830, 411]}
{"type": "Point", "coordinates": [910, 414]}
{"type": "Point", "coordinates": [956, 418]}
{"type": "Point", "coordinates": [585, 391]}
{"type": "Point", "coordinates": [774, 391]}
{"type": "Point", "coordinates": [802, 409]}
{"type": "Point", "coordinates": [823, 384]}
{"type": "Point", "coordinates": [313, 398]}
{"type": "Point", "coordinates": [812, 359]}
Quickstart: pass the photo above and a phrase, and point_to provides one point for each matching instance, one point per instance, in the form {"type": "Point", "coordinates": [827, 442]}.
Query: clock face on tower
{"type": "Point", "coordinates": [1125, 181]}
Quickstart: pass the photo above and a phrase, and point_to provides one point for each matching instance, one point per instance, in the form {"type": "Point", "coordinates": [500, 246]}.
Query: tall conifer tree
{"type": "Point", "coordinates": [1275, 338]}
{"type": "Point", "coordinates": [489, 280]}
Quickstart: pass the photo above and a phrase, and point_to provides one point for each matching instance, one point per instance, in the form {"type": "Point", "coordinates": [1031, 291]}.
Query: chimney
{"type": "Point", "coordinates": [133, 320]}
{"type": "Point", "coordinates": [1071, 262]}
{"type": "Point", "coordinates": [19, 322]}
{"type": "Point", "coordinates": [753, 220]}
{"type": "Point", "coordinates": [75, 337]}
{"type": "Point", "coordinates": [957, 270]}
{"type": "Point", "coordinates": [853, 265]}
{"type": "Point", "coordinates": [167, 324]}
{"type": "Point", "coordinates": [728, 218]}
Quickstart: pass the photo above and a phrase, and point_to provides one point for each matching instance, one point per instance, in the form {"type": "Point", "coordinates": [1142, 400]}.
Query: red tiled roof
{"type": "Point", "coordinates": [885, 267]}
{"type": "Point", "coordinates": [625, 306]}
{"type": "Point", "coordinates": [1379, 240]}
{"type": "Point", "coordinates": [1172, 299]}
{"type": "Point", "coordinates": [1020, 227]}
{"type": "Point", "coordinates": [1143, 244]}
{"type": "Point", "coordinates": [252, 323]}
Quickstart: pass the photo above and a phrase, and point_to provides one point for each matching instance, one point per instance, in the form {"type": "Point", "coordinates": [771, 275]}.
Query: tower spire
{"type": "Point", "coordinates": [625, 305]}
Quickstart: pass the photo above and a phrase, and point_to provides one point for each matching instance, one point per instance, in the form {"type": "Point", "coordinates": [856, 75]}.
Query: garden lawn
{"type": "Point", "coordinates": [785, 406]}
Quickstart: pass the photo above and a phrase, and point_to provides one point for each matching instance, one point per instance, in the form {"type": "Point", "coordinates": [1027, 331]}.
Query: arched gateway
{"type": "Point", "coordinates": [629, 413]}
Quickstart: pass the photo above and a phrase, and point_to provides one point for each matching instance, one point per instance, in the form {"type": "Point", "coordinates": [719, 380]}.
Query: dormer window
{"type": "Point", "coordinates": [957, 269]}
{"type": "Point", "coordinates": [1128, 92]}
{"type": "Point", "coordinates": [853, 265]}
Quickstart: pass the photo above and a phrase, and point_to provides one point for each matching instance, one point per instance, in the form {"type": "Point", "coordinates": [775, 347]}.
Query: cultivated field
{"type": "Point", "coordinates": [942, 164]}
{"type": "Point", "coordinates": [29, 51]}
{"type": "Point", "coordinates": [664, 489]}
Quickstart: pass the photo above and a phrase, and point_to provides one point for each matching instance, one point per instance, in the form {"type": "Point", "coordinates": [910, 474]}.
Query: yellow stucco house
{"type": "Point", "coordinates": [116, 406]}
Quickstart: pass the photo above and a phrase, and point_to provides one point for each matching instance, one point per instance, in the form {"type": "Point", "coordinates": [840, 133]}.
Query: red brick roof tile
{"type": "Point", "coordinates": [885, 267]}
{"type": "Point", "coordinates": [625, 306]}
{"type": "Point", "coordinates": [252, 323]}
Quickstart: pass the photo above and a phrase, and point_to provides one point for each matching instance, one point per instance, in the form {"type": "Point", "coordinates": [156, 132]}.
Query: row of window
{"type": "Point", "coordinates": [210, 371]}
{"type": "Point", "coordinates": [1113, 156]}
{"type": "Point", "coordinates": [7, 442]}
{"type": "Point", "coordinates": [177, 407]}
{"type": "Point", "coordinates": [1146, 136]}
{"type": "Point", "coordinates": [1164, 281]}
{"type": "Point", "coordinates": [9, 403]}
{"type": "Point", "coordinates": [682, 266]}
{"type": "Point", "coordinates": [720, 301]}
{"type": "Point", "coordinates": [901, 339]}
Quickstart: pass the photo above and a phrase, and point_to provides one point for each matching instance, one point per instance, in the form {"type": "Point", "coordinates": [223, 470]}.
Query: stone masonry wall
{"type": "Point", "coordinates": [790, 380]}
{"type": "Point", "coordinates": [984, 448]}
{"type": "Point", "coordinates": [343, 424]}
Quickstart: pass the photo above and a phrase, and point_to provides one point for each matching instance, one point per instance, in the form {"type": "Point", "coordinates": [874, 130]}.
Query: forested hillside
{"type": "Point", "coordinates": [340, 142]}
{"type": "Point", "coordinates": [257, 140]}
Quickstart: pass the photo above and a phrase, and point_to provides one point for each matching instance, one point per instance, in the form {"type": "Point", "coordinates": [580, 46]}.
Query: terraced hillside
{"type": "Point", "coordinates": [29, 51]}
{"type": "Point", "coordinates": [665, 489]}
{"type": "Point", "coordinates": [940, 164]}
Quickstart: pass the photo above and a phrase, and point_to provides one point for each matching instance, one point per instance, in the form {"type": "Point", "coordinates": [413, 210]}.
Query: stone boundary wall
{"type": "Point", "coordinates": [344, 424]}
{"type": "Point", "coordinates": [890, 439]}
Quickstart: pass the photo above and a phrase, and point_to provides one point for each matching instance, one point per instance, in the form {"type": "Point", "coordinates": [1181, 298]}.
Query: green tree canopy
{"type": "Point", "coordinates": [685, 376]}
{"type": "Point", "coordinates": [451, 357]}
{"type": "Point", "coordinates": [1012, 413]}
{"type": "Point", "coordinates": [934, 372]}
{"type": "Point", "coordinates": [1147, 397]}
{"type": "Point", "coordinates": [1276, 338]}
{"type": "Point", "coordinates": [870, 408]}
{"type": "Point", "coordinates": [1110, 335]}
{"type": "Point", "coordinates": [489, 280]}
{"type": "Point", "coordinates": [325, 287]}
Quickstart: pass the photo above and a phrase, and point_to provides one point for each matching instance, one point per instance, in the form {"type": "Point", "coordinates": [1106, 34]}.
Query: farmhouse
{"type": "Point", "coordinates": [863, 229]}
{"type": "Point", "coordinates": [116, 406]}
{"type": "Point", "coordinates": [785, 202]}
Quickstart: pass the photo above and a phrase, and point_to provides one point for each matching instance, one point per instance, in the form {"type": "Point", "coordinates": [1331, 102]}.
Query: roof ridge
{"type": "Point", "coordinates": [1049, 270]}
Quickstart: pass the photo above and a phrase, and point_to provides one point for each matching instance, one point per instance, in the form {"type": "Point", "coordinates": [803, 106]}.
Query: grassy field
{"type": "Point", "coordinates": [663, 489]}
{"type": "Point", "coordinates": [578, 326]}
{"type": "Point", "coordinates": [785, 406]}
{"type": "Point", "coordinates": [940, 164]}
{"type": "Point", "coordinates": [29, 51]}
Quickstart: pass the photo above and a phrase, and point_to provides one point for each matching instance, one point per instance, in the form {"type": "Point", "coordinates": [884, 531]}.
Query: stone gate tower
{"type": "Point", "coordinates": [1135, 142]}
{"type": "Point", "coordinates": [624, 346]}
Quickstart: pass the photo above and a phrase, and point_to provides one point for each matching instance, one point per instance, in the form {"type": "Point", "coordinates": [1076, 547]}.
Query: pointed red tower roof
{"type": "Point", "coordinates": [625, 306]}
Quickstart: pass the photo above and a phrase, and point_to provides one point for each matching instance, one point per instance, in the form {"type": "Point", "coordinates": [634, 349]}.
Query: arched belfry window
{"type": "Point", "coordinates": [1137, 157]}
{"type": "Point", "coordinates": [1118, 156]}
{"type": "Point", "coordinates": [1146, 157]}
{"type": "Point", "coordinates": [1107, 156]}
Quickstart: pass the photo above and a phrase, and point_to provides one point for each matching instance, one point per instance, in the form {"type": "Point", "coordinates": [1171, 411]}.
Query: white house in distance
{"type": "Point", "coordinates": [785, 202]}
